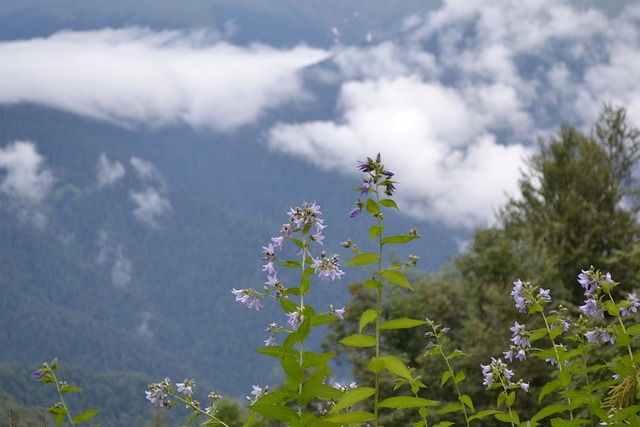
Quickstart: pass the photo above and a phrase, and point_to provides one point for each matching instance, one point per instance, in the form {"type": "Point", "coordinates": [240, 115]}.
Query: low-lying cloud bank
{"type": "Point", "coordinates": [454, 103]}
{"type": "Point", "coordinates": [132, 76]}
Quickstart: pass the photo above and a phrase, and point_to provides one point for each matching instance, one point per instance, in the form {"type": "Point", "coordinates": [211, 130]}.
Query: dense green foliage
{"type": "Point", "coordinates": [577, 208]}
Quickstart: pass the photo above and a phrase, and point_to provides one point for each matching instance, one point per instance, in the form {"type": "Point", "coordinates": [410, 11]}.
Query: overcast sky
{"type": "Point", "coordinates": [454, 101]}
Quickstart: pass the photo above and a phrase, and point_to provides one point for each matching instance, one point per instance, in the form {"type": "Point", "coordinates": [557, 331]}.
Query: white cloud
{"type": "Point", "coordinates": [133, 75]}
{"type": "Point", "coordinates": [151, 202]}
{"type": "Point", "coordinates": [150, 206]}
{"type": "Point", "coordinates": [109, 171]}
{"type": "Point", "coordinates": [456, 104]}
{"type": "Point", "coordinates": [122, 269]}
{"type": "Point", "coordinates": [26, 178]}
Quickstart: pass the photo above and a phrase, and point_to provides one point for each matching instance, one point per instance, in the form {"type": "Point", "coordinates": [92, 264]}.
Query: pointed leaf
{"type": "Point", "coordinates": [397, 277]}
{"type": "Point", "coordinates": [362, 259]}
{"type": "Point", "coordinates": [352, 397]}
{"type": "Point", "coordinates": [403, 323]}
{"type": "Point", "coordinates": [85, 416]}
{"type": "Point", "coordinates": [367, 317]}
{"type": "Point", "coordinates": [446, 375]}
{"type": "Point", "coordinates": [389, 203]}
{"type": "Point", "coordinates": [396, 366]}
{"type": "Point", "coordinates": [399, 239]}
{"type": "Point", "coordinates": [406, 402]}
{"type": "Point", "coordinates": [372, 207]}
{"type": "Point", "coordinates": [375, 231]}
{"type": "Point", "coordinates": [359, 340]}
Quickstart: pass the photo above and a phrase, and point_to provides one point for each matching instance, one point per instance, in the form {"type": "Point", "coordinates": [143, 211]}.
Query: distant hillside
{"type": "Point", "coordinates": [100, 286]}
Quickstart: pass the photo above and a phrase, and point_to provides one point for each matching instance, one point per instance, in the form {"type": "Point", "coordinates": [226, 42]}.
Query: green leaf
{"type": "Point", "coordinates": [278, 351]}
{"type": "Point", "coordinates": [511, 398]}
{"type": "Point", "coordinates": [446, 375]}
{"type": "Point", "coordinates": [359, 340]}
{"type": "Point", "coordinates": [310, 388]}
{"type": "Point", "coordinates": [467, 401]}
{"type": "Point", "coordinates": [249, 420]}
{"type": "Point", "coordinates": [350, 417]}
{"type": "Point", "coordinates": [372, 207]}
{"type": "Point", "coordinates": [85, 416]}
{"type": "Point", "coordinates": [291, 264]}
{"type": "Point", "coordinates": [389, 203]}
{"type": "Point", "coordinates": [292, 369]}
{"type": "Point", "coordinates": [460, 376]}
{"type": "Point", "coordinates": [352, 397]}
{"type": "Point", "coordinates": [406, 402]}
{"type": "Point", "coordinates": [315, 360]}
{"type": "Point", "coordinates": [622, 339]}
{"type": "Point", "coordinates": [287, 305]}
{"type": "Point", "coordinates": [376, 365]}
{"type": "Point", "coordinates": [557, 330]}
{"type": "Point", "coordinates": [548, 388]}
{"type": "Point", "coordinates": [362, 259]}
{"type": "Point", "coordinates": [396, 366]}
{"type": "Point", "coordinates": [69, 389]}
{"type": "Point", "coordinates": [403, 323]}
{"type": "Point", "coordinates": [397, 277]}
{"type": "Point", "coordinates": [322, 319]}
{"type": "Point", "coordinates": [281, 413]}
{"type": "Point", "coordinates": [375, 231]}
{"type": "Point", "coordinates": [483, 414]}
{"type": "Point", "coordinates": [373, 284]}
{"type": "Point", "coordinates": [453, 407]}
{"type": "Point", "coordinates": [399, 239]}
{"type": "Point", "coordinates": [633, 330]}
{"type": "Point", "coordinates": [442, 424]}
{"type": "Point", "coordinates": [367, 317]}
{"type": "Point", "coordinates": [549, 410]}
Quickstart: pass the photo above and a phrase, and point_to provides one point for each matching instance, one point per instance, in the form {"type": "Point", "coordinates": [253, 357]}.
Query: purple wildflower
{"type": "Point", "coordinates": [327, 268]}
{"type": "Point", "coordinates": [294, 319]}
{"type": "Point", "coordinates": [271, 341]}
{"type": "Point", "coordinates": [632, 299]}
{"type": "Point", "coordinates": [336, 312]}
{"type": "Point", "coordinates": [520, 335]}
{"type": "Point", "coordinates": [364, 188]}
{"type": "Point", "coordinates": [38, 375]}
{"type": "Point", "coordinates": [248, 298]}
{"type": "Point", "coordinates": [590, 308]}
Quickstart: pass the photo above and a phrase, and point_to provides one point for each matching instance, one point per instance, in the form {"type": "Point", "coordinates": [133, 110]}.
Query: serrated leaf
{"type": "Point", "coordinates": [367, 317]}
{"type": "Point", "coordinates": [352, 397]}
{"type": "Point", "coordinates": [397, 277]}
{"type": "Point", "coordinates": [406, 402]}
{"type": "Point", "coordinates": [359, 340]}
{"type": "Point", "coordinates": [362, 259]}
{"type": "Point", "coordinates": [350, 417]}
{"type": "Point", "coordinates": [396, 366]}
{"type": "Point", "coordinates": [403, 323]}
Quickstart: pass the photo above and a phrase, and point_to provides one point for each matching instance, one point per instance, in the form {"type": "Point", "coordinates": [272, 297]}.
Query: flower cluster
{"type": "Point", "coordinates": [523, 295]}
{"type": "Point", "coordinates": [521, 344]}
{"type": "Point", "coordinates": [377, 176]}
{"type": "Point", "coordinates": [327, 268]}
{"type": "Point", "coordinates": [498, 374]}
{"type": "Point", "coordinates": [158, 393]}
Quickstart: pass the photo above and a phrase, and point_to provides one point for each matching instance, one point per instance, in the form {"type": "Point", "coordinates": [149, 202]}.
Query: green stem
{"type": "Point", "coordinates": [64, 405]}
{"type": "Point", "coordinates": [506, 393]}
{"type": "Point", "coordinates": [555, 350]}
{"type": "Point", "coordinates": [301, 359]}
{"type": "Point", "coordinates": [197, 409]}
{"type": "Point", "coordinates": [455, 384]}
{"type": "Point", "coordinates": [624, 329]}
{"type": "Point", "coordinates": [378, 312]}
